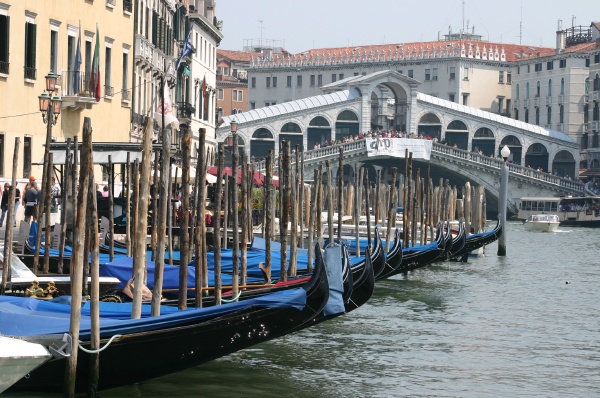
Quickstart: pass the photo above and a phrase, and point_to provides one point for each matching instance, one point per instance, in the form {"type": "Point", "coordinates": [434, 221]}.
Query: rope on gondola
{"type": "Point", "coordinates": [233, 299]}
{"type": "Point", "coordinates": [100, 349]}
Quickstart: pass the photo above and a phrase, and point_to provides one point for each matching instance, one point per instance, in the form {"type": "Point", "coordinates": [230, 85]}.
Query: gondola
{"type": "Point", "coordinates": [377, 256]}
{"type": "Point", "coordinates": [474, 242]}
{"type": "Point", "coordinates": [419, 256]}
{"type": "Point", "coordinates": [448, 242]}
{"type": "Point", "coordinates": [393, 258]}
{"type": "Point", "coordinates": [459, 240]}
{"type": "Point", "coordinates": [155, 346]}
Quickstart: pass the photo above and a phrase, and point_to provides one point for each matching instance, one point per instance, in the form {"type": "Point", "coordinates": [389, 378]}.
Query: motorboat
{"type": "Point", "coordinates": [542, 223]}
{"type": "Point", "coordinates": [18, 358]}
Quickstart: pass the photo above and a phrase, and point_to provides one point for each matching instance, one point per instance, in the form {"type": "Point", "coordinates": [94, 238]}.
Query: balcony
{"type": "Point", "coordinates": [548, 100]}
{"type": "Point", "coordinates": [185, 110]}
{"type": "Point", "coordinates": [595, 124]}
{"type": "Point", "coordinates": [526, 103]}
{"type": "Point", "coordinates": [125, 95]}
{"type": "Point", "coordinates": [517, 103]}
{"type": "Point", "coordinates": [586, 98]}
{"type": "Point", "coordinates": [77, 90]}
{"type": "Point", "coordinates": [560, 126]}
{"type": "Point", "coordinates": [586, 127]}
{"type": "Point", "coordinates": [595, 96]}
{"type": "Point", "coordinates": [109, 91]}
{"type": "Point", "coordinates": [143, 49]}
{"type": "Point", "coordinates": [561, 99]}
{"type": "Point", "coordinates": [536, 102]}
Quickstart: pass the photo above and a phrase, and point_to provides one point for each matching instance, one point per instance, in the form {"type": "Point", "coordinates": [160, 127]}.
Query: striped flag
{"type": "Point", "coordinates": [187, 50]}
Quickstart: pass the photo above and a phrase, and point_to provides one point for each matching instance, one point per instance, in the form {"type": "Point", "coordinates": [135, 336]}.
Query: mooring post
{"type": "Point", "coordinates": [503, 201]}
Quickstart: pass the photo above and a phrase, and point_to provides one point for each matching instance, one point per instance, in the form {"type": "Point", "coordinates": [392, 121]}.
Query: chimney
{"type": "Point", "coordinates": [561, 38]}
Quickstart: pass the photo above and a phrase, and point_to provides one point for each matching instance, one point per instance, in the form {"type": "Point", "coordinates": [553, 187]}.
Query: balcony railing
{"type": "Point", "coordinates": [77, 84]}
{"type": "Point", "coordinates": [30, 73]}
{"type": "Point", "coordinates": [536, 102]}
{"type": "Point", "coordinates": [138, 119]}
{"type": "Point", "coordinates": [595, 96]}
{"type": "Point", "coordinates": [4, 67]}
{"type": "Point", "coordinates": [185, 110]}
{"type": "Point", "coordinates": [526, 103]}
{"type": "Point", "coordinates": [548, 100]}
{"type": "Point", "coordinates": [595, 125]}
{"type": "Point", "coordinates": [125, 95]}
{"type": "Point", "coordinates": [517, 103]}
{"type": "Point", "coordinates": [109, 91]}
{"type": "Point", "coordinates": [586, 127]}
{"type": "Point", "coordinates": [561, 99]}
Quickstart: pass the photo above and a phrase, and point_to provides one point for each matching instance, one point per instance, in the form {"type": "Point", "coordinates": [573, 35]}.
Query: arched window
{"type": "Point", "coordinates": [518, 91]}
{"type": "Point", "coordinates": [319, 121]}
{"type": "Point", "coordinates": [457, 125]}
{"type": "Point", "coordinates": [527, 90]}
{"type": "Point", "coordinates": [597, 82]}
{"type": "Point", "coordinates": [526, 115]}
{"type": "Point", "coordinates": [347, 115]}
{"type": "Point", "coordinates": [550, 87]}
{"type": "Point", "coordinates": [549, 115]}
{"type": "Point", "coordinates": [562, 86]}
{"type": "Point", "coordinates": [291, 127]}
{"type": "Point", "coordinates": [537, 116]}
{"type": "Point", "coordinates": [262, 134]}
{"type": "Point", "coordinates": [587, 85]}
{"type": "Point", "coordinates": [429, 118]}
{"type": "Point", "coordinates": [537, 89]}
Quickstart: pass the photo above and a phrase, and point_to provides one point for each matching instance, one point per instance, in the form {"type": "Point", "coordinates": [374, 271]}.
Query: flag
{"type": "Point", "coordinates": [165, 104]}
{"type": "Point", "coordinates": [77, 65]}
{"type": "Point", "coordinates": [187, 50]}
{"type": "Point", "coordinates": [204, 98]}
{"type": "Point", "coordinates": [95, 77]}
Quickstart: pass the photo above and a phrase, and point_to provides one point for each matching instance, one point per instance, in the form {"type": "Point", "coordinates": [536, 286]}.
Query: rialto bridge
{"type": "Point", "coordinates": [465, 142]}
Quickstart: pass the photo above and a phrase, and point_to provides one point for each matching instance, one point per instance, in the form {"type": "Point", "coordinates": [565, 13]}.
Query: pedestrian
{"type": "Point", "coordinates": [31, 199]}
{"type": "Point", "coordinates": [17, 201]}
{"type": "Point", "coordinates": [55, 191]}
{"type": "Point", "coordinates": [4, 202]}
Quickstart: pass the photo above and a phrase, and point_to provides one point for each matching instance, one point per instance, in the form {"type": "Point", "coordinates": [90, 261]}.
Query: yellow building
{"type": "Point", "coordinates": [37, 37]}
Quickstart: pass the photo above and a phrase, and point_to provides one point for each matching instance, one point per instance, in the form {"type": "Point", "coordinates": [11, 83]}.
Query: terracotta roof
{"type": "Point", "coordinates": [514, 52]}
{"type": "Point", "coordinates": [237, 55]}
{"type": "Point", "coordinates": [582, 47]}
{"type": "Point", "coordinates": [596, 25]}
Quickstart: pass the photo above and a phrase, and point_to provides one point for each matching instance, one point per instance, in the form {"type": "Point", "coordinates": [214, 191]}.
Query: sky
{"type": "Point", "coordinates": [300, 25]}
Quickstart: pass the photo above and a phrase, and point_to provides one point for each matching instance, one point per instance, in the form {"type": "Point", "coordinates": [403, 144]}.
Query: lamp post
{"type": "Point", "coordinates": [234, 172]}
{"type": "Point", "coordinates": [50, 107]}
{"type": "Point", "coordinates": [502, 203]}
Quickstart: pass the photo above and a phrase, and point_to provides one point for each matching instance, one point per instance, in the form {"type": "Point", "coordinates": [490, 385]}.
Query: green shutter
{"type": "Point", "coordinates": [5, 33]}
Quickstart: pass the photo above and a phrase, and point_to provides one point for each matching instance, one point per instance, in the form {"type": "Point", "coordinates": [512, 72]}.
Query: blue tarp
{"type": "Point", "coordinates": [333, 262]}
{"type": "Point", "coordinates": [29, 317]}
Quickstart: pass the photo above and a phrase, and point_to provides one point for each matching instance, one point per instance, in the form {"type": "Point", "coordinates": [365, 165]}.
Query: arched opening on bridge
{"type": "Point", "coordinates": [516, 149]}
{"type": "Point", "coordinates": [457, 134]}
{"type": "Point", "coordinates": [484, 141]}
{"type": "Point", "coordinates": [228, 150]}
{"type": "Point", "coordinates": [346, 125]}
{"type": "Point", "coordinates": [319, 132]}
{"type": "Point", "coordinates": [262, 142]}
{"type": "Point", "coordinates": [430, 125]}
{"type": "Point", "coordinates": [293, 133]}
{"type": "Point", "coordinates": [563, 164]}
{"type": "Point", "coordinates": [537, 157]}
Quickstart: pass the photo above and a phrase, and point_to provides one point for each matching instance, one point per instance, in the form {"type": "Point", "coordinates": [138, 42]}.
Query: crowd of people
{"type": "Point", "coordinates": [372, 134]}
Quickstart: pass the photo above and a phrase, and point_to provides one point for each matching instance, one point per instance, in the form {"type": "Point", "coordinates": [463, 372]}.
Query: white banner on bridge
{"type": "Point", "coordinates": [396, 147]}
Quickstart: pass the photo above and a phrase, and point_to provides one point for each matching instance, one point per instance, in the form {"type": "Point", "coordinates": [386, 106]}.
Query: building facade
{"type": "Point", "coordinates": [232, 81]}
{"type": "Point", "coordinates": [39, 37]}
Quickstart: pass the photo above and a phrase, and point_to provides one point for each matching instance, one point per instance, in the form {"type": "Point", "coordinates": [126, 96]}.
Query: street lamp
{"type": "Point", "coordinates": [505, 152]}
{"type": "Point", "coordinates": [50, 106]}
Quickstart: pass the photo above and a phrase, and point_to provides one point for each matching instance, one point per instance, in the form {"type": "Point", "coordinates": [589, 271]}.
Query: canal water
{"type": "Point", "coordinates": [527, 324]}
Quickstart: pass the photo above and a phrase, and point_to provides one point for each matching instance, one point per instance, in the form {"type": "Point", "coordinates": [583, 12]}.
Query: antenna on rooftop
{"type": "Point", "coordinates": [521, 26]}
{"type": "Point", "coordinates": [573, 19]}
{"type": "Point", "coordinates": [261, 27]}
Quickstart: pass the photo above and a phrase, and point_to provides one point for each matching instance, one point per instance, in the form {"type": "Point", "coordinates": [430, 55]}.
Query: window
{"type": "Point", "coordinates": [451, 97]}
{"type": "Point", "coordinates": [410, 73]}
{"type": "Point", "coordinates": [4, 40]}
{"type": "Point", "coordinates": [562, 86]}
{"type": "Point", "coordinates": [527, 90]}
{"type": "Point", "coordinates": [538, 67]}
{"type": "Point", "coordinates": [26, 156]}
{"type": "Point", "coordinates": [340, 76]}
{"type": "Point", "coordinates": [299, 80]}
{"type": "Point", "coordinates": [562, 63]}
{"type": "Point", "coordinates": [526, 115]}
{"type": "Point", "coordinates": [587, 62]}
{"type": "Point", "coordinates": [597, 82]}
{"type": "Point", "coordinates": [125, 74]}
{"type": "Point", "coordinates": [274, 81]}
{"type": "Point", "coordinates": [356, 73]}
{"type": "Point", "coordinates": [238, 95]}
{"type": "Point", "coordinates": [333, 77]}
{"type": "Point", "coordinates": [537, 89]}
{"type": "Point", "coordinates": [220, 94]}
{"type": "Point", "coordinates": [465, 99]}
{"type": "Point", "coordinates": [289, 81]}
{"type": "Point", "coordinates": [253, 82]}
{"type": "Point", "coordinates": [501, 77]}
{"type": "Point", "coordinates": [549, 115]}
{"type": "Point", "coordinates": [466, 76]}
{"type": "Point", "coordinates": [550, 88]}
{"type": "Point", "coordinates": [312, 80]}
{"type": "Point", "coordinates": [427, 74]}
{"type": "Point", "coordinates": [319, 80]}
{"type": "Point", "coordinates": [268, 81]}
{"type": "Point", "coordinates": [518, 70]}
{"type": "Point", "coordinates": [30, 41]}
{"type": "Point", "coordinates": [108, 90]}
{"type": "Point", "coordinates": [267, 103]}
{"type": "Point", "coordinates": [597, 58]}
{"type": "Point", "coordinates": [537, 116]}
{"type": "Point", "coordinates": [518, 91]}
{"type": "Point", "coordinates": [452, 73]}
{"type": "Point", "coordinates": [253, 105]}
{"type": "Point", "coordinates": [516, 114]}
{"type": "Point", "coordinates": [54, 49]}
{"type": "Point", "coordinates": [549, 65]}
{"type": "Point", "coordinates": [500, 104]}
